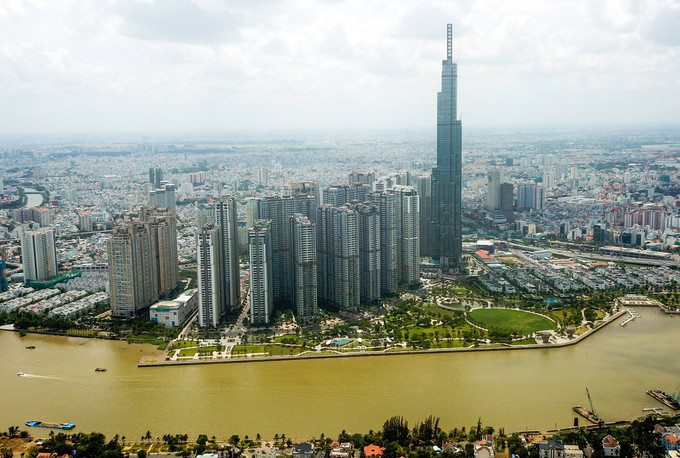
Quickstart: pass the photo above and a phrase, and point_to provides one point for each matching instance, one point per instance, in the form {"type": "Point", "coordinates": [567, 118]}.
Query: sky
{"type": "Point", "coordinates": [84, 66]}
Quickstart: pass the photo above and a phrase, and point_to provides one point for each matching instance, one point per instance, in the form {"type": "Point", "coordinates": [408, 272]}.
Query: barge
{"type": "Point", "coordinates": [587, 414]}
{"type": "Point", "coordinates": [664, 398]}
{"type": "Point", "coordinates": [46, 424]}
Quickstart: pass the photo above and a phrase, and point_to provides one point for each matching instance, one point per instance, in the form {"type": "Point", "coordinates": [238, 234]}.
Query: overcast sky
{"type": "Point", "coordinates": [223, 65]}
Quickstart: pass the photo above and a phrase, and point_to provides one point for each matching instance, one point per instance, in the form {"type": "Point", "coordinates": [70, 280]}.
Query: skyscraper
{"type": "Point", "coordinates": [338, 257]}
{"type": "Point", "coordinates": [507, 201]}
{"type": "Point", "coordinates": [424, 185]}
{"type": "Point", "coordinates": [369, 251]}
{"type": "Point", "coordinates": [209, 266]}
{"type": "Point", "coordinates": [407, 210]}
{"type": "Point", "coordinates": [161, 224]}
{"type": "Point", "coordinates": [164, 197]}
{"type": "Point", "coordinates": [226, 220]}
{"type": "Point", "coordinates": [336, 196]}
{"type": "Point", "coordinates": [304, 268]}
{"type": "Point", "coordinates": [525, 196]}
{"type": "Point", "coordinates": [279, 210]}
{"type": "Point", "coordinates": [39, 254]}
{"type": "Point", "coordinates": [493, 189]}
{"type": "Point", "coordinates": [133, 282]}
{"type": "Point", "coordinates": [361, 176]}
{"type": "Point", "coordinates": [447, 175]}
{"type": "Point", "coordinates": [261, 285]}
{"type": "Point", "coordinates": [386, 203]}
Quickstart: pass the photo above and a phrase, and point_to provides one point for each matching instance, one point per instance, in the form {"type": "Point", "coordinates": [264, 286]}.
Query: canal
{"type": "Point", "coordinates": [518, 390]}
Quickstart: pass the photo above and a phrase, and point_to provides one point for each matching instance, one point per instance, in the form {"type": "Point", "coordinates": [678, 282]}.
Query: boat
{"type": "Point", "coordinates": [45, 424]}
{"type": "Point", "coordinates": [20, 374]}
{"type": "Point", "coordinates": [100, 369]}
{"type": "Point", "coordinates": [665, 398]}
{"type": "Point", "coordinates": [30, 347]}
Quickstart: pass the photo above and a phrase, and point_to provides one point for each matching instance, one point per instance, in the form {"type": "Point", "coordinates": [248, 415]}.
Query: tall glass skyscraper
{"type": "Point", "coordinates": [446, 176]}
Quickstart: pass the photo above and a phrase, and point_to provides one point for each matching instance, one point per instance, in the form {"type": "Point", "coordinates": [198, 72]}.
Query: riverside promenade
{"type": "Point", "coordinates": [159, 361]}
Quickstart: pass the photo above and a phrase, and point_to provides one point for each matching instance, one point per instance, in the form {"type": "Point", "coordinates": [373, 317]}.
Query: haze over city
{"type": "Point", "coordinates": [287, 229]}
{"type": "Point", "coordinates": [196, 66]}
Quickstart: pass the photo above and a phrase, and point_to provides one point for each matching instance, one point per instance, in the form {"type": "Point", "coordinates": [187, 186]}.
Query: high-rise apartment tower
{"type": "Point", "coordinates": [39, 254]}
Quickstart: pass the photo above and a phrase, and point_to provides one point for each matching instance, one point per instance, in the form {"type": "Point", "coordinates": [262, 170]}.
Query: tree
{"type": "Point", "coordinates": [141, 454]}
{"type": "Point", "coordinates": [234, 440]}
{"type": "Point", "coordinates": [396, 430]}
{"type": "Point", "coordinates": [426, 433]}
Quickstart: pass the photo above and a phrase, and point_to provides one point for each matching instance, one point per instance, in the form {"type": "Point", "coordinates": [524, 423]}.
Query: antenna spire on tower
{"type": "Point", "coordinates": [449, 41]}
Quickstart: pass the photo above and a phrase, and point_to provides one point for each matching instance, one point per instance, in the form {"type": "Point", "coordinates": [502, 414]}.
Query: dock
{"type": "Point", "coordinates": [633, 314]}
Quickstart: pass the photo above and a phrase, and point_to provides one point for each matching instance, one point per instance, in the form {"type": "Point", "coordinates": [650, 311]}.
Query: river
{"type": "Point", "coordinates": [33, 198]}
{"type": "Point", "coordinates": [518, 390]}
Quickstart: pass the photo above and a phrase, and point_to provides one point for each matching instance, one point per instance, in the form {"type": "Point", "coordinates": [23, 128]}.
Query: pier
{"type": "Point", "coordinates": [633, 314]}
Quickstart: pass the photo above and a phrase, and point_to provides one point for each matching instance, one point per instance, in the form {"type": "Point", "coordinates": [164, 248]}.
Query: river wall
{"type": "Point", "coordinates": [154, 363]}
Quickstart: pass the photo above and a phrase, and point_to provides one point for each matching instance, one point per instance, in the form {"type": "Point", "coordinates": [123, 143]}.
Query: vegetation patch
{"type": "Point", "coordinates": [205, 351]}
{"type": "Point", "coordinates": [523, 323]}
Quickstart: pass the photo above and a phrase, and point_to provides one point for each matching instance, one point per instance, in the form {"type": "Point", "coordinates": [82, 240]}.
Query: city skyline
{"type": "Point", "coordinates": [211, 66]}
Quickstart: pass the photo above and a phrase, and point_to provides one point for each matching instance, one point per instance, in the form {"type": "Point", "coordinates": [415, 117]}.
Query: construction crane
{"type": "Point", "coordinates": [592, 409]}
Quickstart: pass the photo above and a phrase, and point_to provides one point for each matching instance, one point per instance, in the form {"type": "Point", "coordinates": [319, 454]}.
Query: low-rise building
{"type": "Point", "coordinates": [373, 450]}
{"type": "Point", "coordinates": [553, 448]}
{"type": "Point", "coordinates": [611, 446]}
{"type": "Point", "coordinates": [303, 450]}
{"type": "Point", "coordinates": [572, 451]}
{"type": "Point", "coordinates": [175, 312]}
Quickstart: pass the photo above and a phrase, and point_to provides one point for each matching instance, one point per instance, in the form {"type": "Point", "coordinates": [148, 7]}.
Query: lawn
{"type": "Point", "coordinates": [521, 322]}
{"type": "Point", "coordinates": [193, 351]}
{"type": "Point", "coordinates": [273, 350]}
{"type": "Point", "coordinates": [184, 344]}
{"type": "Point", "coordinates": [527, 341]}
{"type": "Point", "coordinates": [435, 311]}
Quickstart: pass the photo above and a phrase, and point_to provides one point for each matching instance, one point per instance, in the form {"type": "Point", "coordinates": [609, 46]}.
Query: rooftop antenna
{"type": "Point", "coordinates": [449, 41]}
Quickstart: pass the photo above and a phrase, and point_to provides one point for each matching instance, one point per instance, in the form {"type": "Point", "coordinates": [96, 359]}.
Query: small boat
{"type": "Point", "coordinates": [100, 369]}
{"type": "Point", "coordinates": [30, 347]}
{"type": "Point", "coordinates": [20, 374]}
{"type": "Point", "coordinates": [45, 424]}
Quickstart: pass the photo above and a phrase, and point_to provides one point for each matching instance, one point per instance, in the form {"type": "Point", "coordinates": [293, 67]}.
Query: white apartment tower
{"type": "Point", "coordinates": [39, 255]}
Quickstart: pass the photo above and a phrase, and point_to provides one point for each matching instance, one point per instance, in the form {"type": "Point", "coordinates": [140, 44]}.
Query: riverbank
{"type": "Point", "coordinates": [154, 361]}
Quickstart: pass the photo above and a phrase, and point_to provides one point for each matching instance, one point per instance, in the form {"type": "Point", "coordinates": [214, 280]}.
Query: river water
{"type": "Point", "coordinates": [518, 390]}
{"type": "Point", "coordinates": [33, 198]}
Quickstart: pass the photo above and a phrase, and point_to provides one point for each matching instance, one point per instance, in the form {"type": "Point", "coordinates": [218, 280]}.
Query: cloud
{"type": "Point", "coordinates": [664, 26]}
{"type": "Point", "coordinates": [178, 21]}
{"type": "Point", "coordinates": [167, 64]}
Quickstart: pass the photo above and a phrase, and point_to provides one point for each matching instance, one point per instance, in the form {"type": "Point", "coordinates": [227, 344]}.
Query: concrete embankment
{"type": "Point", "coordinates": [152, 362]}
